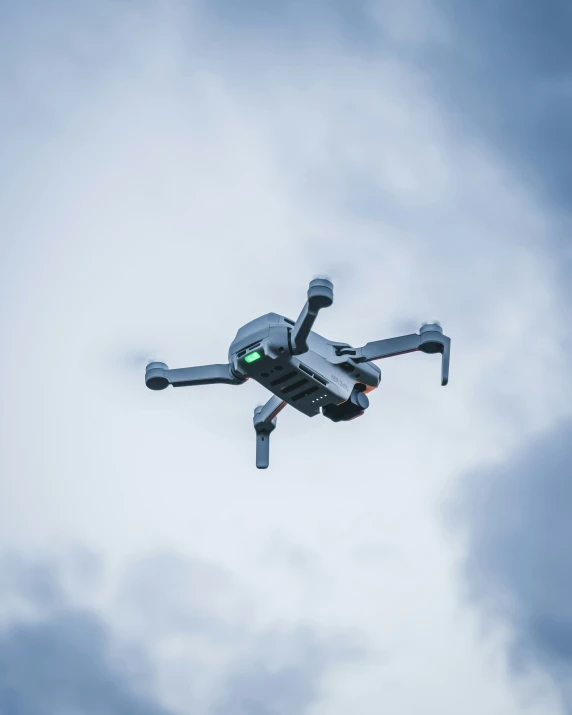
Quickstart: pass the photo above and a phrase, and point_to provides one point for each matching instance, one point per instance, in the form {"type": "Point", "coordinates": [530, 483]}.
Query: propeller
{"type": "Point", "coordinates": [137, 360]}
{"type": "Point", "coordinates": [431, 322]}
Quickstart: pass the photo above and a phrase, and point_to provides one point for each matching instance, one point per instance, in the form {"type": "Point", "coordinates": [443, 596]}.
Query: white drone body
{"type": "Point", "coordinates": [301, 368]}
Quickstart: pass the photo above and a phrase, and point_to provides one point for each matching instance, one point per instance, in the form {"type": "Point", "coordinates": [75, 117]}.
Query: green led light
{"type": "Point", "coordinates": [251, 357]}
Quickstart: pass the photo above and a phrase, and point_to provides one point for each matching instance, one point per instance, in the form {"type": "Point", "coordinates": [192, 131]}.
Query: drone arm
{"type": "Point", "coordinates": [269, 411]}
{"type": "Point", "coordinates": [302, 329]}
{"type": "Point", "coordinates": [388, 348]}
{"type": "Point", "coordinates": [265, 423]}
{"type": "Point", "coordinates": [202, 375]}
{"type": "Point", "coordinates": [430, 339]}
{"type": "Point", "coordinates": [320, 295]}
{"type": "Point", "coordinates": [158, 376]}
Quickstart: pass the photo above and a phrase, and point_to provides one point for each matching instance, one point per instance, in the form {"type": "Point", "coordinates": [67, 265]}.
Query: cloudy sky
{"type": "Point", "coordinates": [170, 170]}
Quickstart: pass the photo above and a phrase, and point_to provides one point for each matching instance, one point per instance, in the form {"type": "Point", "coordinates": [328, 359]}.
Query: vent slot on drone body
{"type": "Point", "coordinates": [318, 378]}
{"type": "Point", "coordinates": [247, 349]}
{"type": "Point", "coordinates": [305, 393]}
{"type": "Point", "coordinates": [294, 386]}
{"type": "Point", "coordinates": [283, 378]}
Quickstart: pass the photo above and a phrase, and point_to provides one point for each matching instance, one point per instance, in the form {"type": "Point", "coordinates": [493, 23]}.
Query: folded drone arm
{"type": "Point", "coordinates": [320, 295]}
{"type": "Point", "coordinates": [430, 339]}
{"type": "Point", "coordinates": [158, 376]}
{"type": "Point", "coordinates": [202, 375]}
{"type": "Point", "coordinates": [265, 423]}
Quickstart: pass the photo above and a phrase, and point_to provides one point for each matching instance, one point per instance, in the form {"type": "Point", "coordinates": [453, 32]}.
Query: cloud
{"type": "Point", "coordinates": [205, 629]}
{"type": "Point", "coordinates": [176, 169]}
{"type": "Point", "coordinates": [58, 656]}
{"type": "Point", "coordinates": [518, 567]}
{"type": "Point", "coordinates": [282, 675]}
{"type": "Point", "coordinates": [64, 663]}
{"type": "Point", "coordinates": [506, 74]}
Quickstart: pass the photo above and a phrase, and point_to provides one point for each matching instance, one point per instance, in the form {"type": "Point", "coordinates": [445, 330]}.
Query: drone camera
{"type": "Point", "coordinates": [348, 410]}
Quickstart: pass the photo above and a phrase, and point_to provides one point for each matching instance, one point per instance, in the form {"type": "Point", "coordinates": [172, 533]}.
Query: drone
{"type": "Point", "coordinates": [301, 368]}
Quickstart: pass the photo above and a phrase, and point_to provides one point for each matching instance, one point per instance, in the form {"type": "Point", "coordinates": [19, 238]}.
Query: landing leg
{"type": "Point", "coordinates": [264, 424]}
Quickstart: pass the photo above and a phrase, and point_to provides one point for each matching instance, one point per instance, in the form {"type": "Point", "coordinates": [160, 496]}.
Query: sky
{"type": "Point", "coordinates": [171, 170]}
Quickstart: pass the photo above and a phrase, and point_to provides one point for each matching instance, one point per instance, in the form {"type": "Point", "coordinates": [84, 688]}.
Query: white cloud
{"type": "Point", "coordinates": [182, 188]}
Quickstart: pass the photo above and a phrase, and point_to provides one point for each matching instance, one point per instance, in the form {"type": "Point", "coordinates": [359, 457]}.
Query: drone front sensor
{"type": "Point", "coordinates": [301, 368]}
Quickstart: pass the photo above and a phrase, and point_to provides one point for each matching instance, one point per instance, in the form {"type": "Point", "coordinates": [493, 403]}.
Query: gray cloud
{"type": "Point", "coordinates": [519, 562]}
{"type": "Point", "coordinates": [296, 22]}
{"type": "Point", "coordinates": [263, 671]}
{"type": "Point", "coordinates": [282, 675]}
{"type": "Point", "coordinates": [36, 583]}
{"type": "Point", "coordinates": [65, 663]}
{"type": "Point", "coordinates": [502, 67]}
{"type": "Point", "coordinates": [57, 656]}
{"type": "Point", "coordinates": [131, 137]}
{"type": "Point", "coordinates": [507, 75]}
{"type": "Point", "coordinates": [60, 658]}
